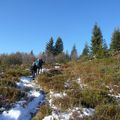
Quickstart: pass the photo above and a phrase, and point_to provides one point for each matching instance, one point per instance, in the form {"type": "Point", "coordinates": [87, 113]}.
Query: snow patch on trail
{"type": "Point", "coordinates": [57, 114]}
{"type": "Point", "coordinates": [23, 109]}
{"type": "Point", "coordinates": [70, 114]}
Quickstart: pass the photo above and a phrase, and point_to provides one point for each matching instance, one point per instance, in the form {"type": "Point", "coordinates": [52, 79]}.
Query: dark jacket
{"type": "Point", "coordinates": [33, 67]}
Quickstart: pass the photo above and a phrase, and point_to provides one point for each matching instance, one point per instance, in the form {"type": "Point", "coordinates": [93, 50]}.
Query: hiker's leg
{"type": "Point", "coordinates": [33, 74]}
{"type": "Point", "coordinates": [41, 69]}
{"type": "Point", "coordinates": [38, 70]}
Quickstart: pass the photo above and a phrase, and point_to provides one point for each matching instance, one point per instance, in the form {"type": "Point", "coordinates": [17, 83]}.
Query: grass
{"type": "Point", "coordinates": [10, 95]}
{"type": "Point", "coordinates": [106, 112]}
{"type": "Point", "coordinates": [43, 111]}
{"type": "Point", "coordinates": [52, 81]}
{"type": "Point", "coordinates": [99, 77]}
{"type": "Point", "coordinates": [9, 75]}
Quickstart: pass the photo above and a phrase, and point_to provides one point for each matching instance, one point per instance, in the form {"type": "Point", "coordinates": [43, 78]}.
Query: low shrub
{"type": "Point", "coordinates": [74, 97]}
{"type": "Point", "coordinates": [55, 83]}
{"type": "Point", "coordinates": [92, 98]}
{"type": "Point", "coordinates": [43, 111]}
{"type": "Point", "coordinates": [11, 94]}
{"type": "Point", "coordinates": [62, 103]}
{"type": "Point", "coordinates": [107, 112]}
{"type": "Point", "coordinates": [10, 83]}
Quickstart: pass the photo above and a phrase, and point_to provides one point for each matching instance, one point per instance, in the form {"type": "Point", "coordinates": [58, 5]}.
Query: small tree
{"type": "Point", "coordinates": [85, 50]}
{"type": "Point", "coordinates": [74, 55]}
{"type": "Point", "coordinates": [67, 56]}
{"type": "Point", "coordinates": [115, 42]}
{"type": "Point", "coordinates": [105, 48]}
{"type": "Point", "coordinates": [50, 47]}
{"type": "Point", "coordinates": [58, 46]}
{"type": "Point", "coordinates": [97, 42]}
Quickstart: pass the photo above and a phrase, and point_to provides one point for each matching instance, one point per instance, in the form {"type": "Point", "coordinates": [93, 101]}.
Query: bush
{"type": "Point", "coordinates": [94, 97]}
{"type": "Point", "coordinates": [89, 97]}
{"type": "Point", "coordinates": [10, 95]}
{"type": "Point", "coordinates": [50, 81]}
{"type": "Point", "coordinates": [107, 112]}
{"type": "Point", "coordinates": [43, 111]}
{"type": "Point", "coordinates": [62, 103]}
{"type": "Point", "coordinates": [17, 72]}
{"type": "Point", "coordinates": [7, 83]}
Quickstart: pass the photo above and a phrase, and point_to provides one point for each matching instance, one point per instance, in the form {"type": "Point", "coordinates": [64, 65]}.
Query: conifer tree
{"type": "Point", "coordinates": [105, 48]}
{"type": "Point", "coordinates": [85, 50]}
{"type": "Point", "coordinates": [67, 56]}
{"type": "Point", "coordinates": [74, 55]}
{"type": "Point", "coordinates": [115, 42]}
{"type": "Point", "coordinates": [50, 47]}
{"type": "Point", "coordinates": [58, 48]}
{"type": "Point", "coordinates": [97, 42]}
{"type": "Point", "coordinates": [32, 53]}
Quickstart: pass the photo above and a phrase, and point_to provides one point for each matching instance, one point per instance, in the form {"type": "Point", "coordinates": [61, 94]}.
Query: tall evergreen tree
{"type": "Point", "coordinates": [50, 47]}
{"type": "Point", "coordinates": [115, 42]}
{"type": "Point", "coordinates": [85, 50]}
{"type": "Point", "coordinates": [97, 42]}
{"type": "Point", "coordinates": [58, 46]}
{"type": "Point", "coordinates": [74, 55]}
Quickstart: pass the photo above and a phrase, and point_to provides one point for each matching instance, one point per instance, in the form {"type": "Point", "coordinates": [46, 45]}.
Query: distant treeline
{"type": "Point", "coordinates": [17, 58]}
{"type": "Point", "coordinates": [55, 52]}
{"type": "Point", "coordinates": [99, 47]}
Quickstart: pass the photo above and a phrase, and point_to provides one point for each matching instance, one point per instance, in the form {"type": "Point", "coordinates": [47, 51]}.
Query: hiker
{"type": "Point", "coordinates": [33, 70]}
{"type": "Point", "coordinates": [39, 62]}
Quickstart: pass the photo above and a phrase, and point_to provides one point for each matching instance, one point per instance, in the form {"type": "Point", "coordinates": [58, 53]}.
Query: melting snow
{"type": "Point", "coordinates": [67, 115]}
{"type": "Point", "coordinates": [23, 110]}
{"type": "Point", "coordinates": [58, 115]}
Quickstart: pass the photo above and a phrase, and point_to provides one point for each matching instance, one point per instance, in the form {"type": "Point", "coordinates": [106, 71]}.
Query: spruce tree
{"type": "Point", "coordinates": [32, 53]}
{"type": "Point", "coordinates": [97, 42]}
{"type": "Point", "coordinates": [105, 48]}
{"type": "Point", "coordinates": [85, 50]}
{"type": "Point", "coordinates": [50, 47]}
{"type": "Point", "coordinates": [74, 55]}
{"type": "Point", "coordinates": [115, 42]}
{"type": "Point", "coordinates": [58, 46]}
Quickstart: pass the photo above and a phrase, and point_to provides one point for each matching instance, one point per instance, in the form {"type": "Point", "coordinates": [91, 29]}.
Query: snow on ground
{"type": "Point", "coordinates": [112, 94]}
{"type": "Point", "coordinates": [67, 115]}
{"type": "Point", "coordinates": [58, 115]}
{"type": "Point", "coordinates": [23, 109]}
{"type": "Point", "coordinates": [82, 85]}
{"type": "Point", "coordinates": [115, 96]}
{"type": "Point", "coordinates": [79, 82]}
{"type": "Point", "coordinates": [55, 95]}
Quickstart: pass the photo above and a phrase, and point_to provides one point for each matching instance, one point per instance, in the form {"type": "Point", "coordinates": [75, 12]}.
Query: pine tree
{"type": "Point", "coordinates": [58, 46]}
{"type": "Point", "coordinates": [50, 47]}
{"type": "Point", "coordinates": [74, 55]}
{"type": "Point", "coordinates": [85, 50]}
{"type": "Point", "coordinates": [67, 56]}
{"type": "Point", "coordinates": [115, 42]}
{"type": "Point", "coordinates": [97, 42]}
{"type": "Point", "coordinates": [105, 48]}
{"type": "Point", "coordinates": [31, 53]}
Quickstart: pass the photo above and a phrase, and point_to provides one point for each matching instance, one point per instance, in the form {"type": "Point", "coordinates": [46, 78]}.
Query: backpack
{"type": "Point", "coordinates": [37, 62]}
{"type": "Point", "coordinates": [33, 67]}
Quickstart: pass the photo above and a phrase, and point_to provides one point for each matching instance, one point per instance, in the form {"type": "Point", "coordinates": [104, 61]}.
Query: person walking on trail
{"type": "Point", "coordinates": [39, 62]}
{"type": "Point", "coordinates": [33, 70]}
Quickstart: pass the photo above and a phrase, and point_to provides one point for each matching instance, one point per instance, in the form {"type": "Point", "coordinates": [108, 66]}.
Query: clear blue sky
{"type": "Point", "coordinates": [27, 25]}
